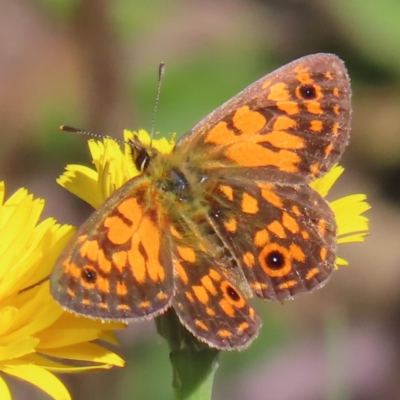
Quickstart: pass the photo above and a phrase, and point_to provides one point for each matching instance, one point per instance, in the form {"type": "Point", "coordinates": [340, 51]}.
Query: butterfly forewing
{"type": "Point", "coordinates": [293, 123]}
{"type": "Point", "coordinates": [118, 265]}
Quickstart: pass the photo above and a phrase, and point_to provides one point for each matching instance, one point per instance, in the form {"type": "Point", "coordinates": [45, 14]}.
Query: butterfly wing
{"type": "Point", "coordinates": [291, 125]}
{"type": "Point", "coordinates": [209, 301]}
{"type": "Point", "coordinates": [119, 264]}
{"type": "Point", "coordinates": [259, 151]}
{"type": "Point", "coordinates": [283, 237]}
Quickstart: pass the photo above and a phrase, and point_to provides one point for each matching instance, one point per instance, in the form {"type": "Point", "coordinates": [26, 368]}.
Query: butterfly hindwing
{"type": "Point", "coordinates": [282, 236]}
{"type": "Point", "coordinates": [209, 302]}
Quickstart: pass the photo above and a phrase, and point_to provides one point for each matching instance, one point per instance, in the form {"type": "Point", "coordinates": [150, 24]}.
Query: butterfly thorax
{"type": "Point", "coordinates": [178, 187]}
{"type": "Point", "coordinates": [181, 185]}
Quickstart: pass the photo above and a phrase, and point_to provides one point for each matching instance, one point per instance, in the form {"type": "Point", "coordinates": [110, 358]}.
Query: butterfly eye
{"type": "Point", "coordinates": [307, 92]}
{"type": "Point", "coordinates": [142, 160]}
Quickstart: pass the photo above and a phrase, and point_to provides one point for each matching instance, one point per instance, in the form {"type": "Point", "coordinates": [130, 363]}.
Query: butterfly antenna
{"type": "Point", "coordinates": [161, 70]}
{"type": "Point", "coordinates": [67, 128]}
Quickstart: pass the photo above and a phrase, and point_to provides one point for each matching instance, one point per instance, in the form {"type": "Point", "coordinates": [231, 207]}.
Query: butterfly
{"type": "Point", "coordinates": [227, 215]}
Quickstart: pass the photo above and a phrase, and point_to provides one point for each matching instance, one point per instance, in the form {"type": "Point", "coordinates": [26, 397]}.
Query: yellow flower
{"type": "Point", "coordinates": [34, 331]}
{"type": "Point", "coordinates": [352, 225]}
{"type": "Point", "coordinates": [114, 168]}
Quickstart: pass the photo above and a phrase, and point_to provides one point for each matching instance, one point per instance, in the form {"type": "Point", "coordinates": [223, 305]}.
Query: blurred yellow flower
{"type": "Point", "coordinates": [34, 331]}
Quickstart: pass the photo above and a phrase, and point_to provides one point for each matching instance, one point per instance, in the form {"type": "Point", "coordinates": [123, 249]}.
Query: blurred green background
{"type": "Point", "coordinates": [93, 64]}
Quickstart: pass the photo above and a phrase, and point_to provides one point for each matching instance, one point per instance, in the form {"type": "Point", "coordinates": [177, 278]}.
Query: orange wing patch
{"type": "Point", "coordinates": [314, 107]}
{"type": "Point", "coordinates": [289, 107]}
{"type": "Point", "coordinates": [248, 122]}
{"type": "Point", "coordinates": [187, 254]}
{"type": "Point", "coordinates": [283, 123]}
{"type": "Point", "coordinates": [284, 140]}
{"type": "Point", "coordinates": [316, 126]}
{"type": "Point", "coordinates": [227, 191]}
{"type": "Point", "coordinates": [290, 223]}
{"type": "Point", "coordinates": [277, 229]}
{"type": "Point", "coordinates": [261, 238]}
{"type": "Point", "coordinates": [249, 204]}
{"type": "Point", "coordinates": [278, 92]}
{"type": "Point", "coordinates": [252, 155]}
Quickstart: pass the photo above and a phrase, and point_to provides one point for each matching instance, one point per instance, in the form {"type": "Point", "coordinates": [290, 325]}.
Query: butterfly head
{"type": "Point", "coordinates": [142, 154]}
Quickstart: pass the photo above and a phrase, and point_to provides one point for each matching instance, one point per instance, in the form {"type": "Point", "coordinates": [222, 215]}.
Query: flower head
{"type": "Point", "coordinates": [36, 335]}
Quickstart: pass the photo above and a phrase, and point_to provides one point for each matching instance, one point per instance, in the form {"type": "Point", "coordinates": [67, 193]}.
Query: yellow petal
{"type": "Point", "coordinates": [86, 352]}
{"type": "Point", "coordinates": [53, 338]}
{"type": "Point", "coordinates": [341, 262]}
{"type": "Point", "coordinates": [17, 220]}
{"type": "Point", "coordinates": [38, 377]}
{"type": "Point", "coordinates": [109, 337]}
{"type": "Point", "coordinates": [18, 348]}
{"type": "Point", "coordinates": [163, 145]}
{"type": "Point", "coordinates": [8, 315]}
{"type": "Point", "coordinates": [357, 237]}
{"type": "Point", "coordinates": [82, 182]}
{"type": "Point", "coordinates": [5, 393]}
{"type": "Point", "coordinates": [55, 366]}
{"type": "Point", "coordinates": [115, 168]}
{"type": "Point", "coordinates": [324, 184]}
{"type": "Point", "coordinates": [49, 239]}
{"type": "Point", "coordinates": [69, 320]}
{"type": "Point", "coordinates": [348, 213]}
{"type": "Point", "coordinates": [46, 312]}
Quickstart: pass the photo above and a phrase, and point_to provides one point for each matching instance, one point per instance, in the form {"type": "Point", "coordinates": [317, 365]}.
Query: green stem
{"type": "Point", "coordinates": [193, 363]}
{"type": "Point", "coordinates": [336, 326]}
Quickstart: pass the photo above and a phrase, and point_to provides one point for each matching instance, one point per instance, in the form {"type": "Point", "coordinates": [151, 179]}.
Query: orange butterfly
{"type": "Point", "coordinates": [228, 214]}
